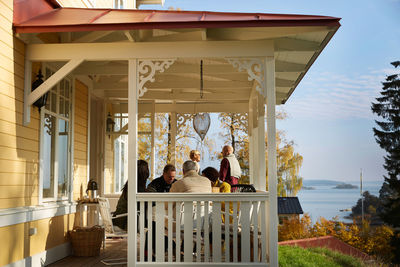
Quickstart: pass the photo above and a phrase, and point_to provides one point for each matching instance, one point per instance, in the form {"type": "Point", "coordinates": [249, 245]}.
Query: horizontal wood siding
{"type": "Point", "coordinates": [17, 244]}
{"type": "Point", "coordinates": [80, 139]}
{"type": "Point", "coordinates": [19, 145]}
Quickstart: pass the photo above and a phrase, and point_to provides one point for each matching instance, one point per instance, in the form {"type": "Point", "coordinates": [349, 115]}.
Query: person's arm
{"type": "Point", "coordinates": [225, 188]}
{"type": "Point", "coordinates": [223, 171]}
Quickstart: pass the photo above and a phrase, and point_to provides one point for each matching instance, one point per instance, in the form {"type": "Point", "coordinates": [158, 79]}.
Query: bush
{"type": "Point", "coordinates": [374, 241]}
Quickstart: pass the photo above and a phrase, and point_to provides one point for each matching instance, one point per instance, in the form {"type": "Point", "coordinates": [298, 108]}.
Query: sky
{"type": "Point", "coordinates": [329, 114]}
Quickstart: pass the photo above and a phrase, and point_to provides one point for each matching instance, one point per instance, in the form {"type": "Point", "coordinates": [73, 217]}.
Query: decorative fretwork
{"type": "Point", "coordinates": [254, 68]}
{"type": "Point", "coordinates": [147, 69]}
{"type": "Point", "coordinates": [181, 120]}
{"type": "Point", "coordinates": [49, 124]}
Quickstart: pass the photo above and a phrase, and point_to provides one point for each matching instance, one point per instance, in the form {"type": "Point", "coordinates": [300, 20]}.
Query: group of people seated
{"type": "Point", "coordinates": [191, 182]}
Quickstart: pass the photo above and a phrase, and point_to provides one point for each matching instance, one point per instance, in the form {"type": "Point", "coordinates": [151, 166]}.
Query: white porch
{"type": "Point", "coordinates": [157, 71]}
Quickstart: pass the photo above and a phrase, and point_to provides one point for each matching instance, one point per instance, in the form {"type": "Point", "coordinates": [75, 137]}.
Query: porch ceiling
{"type": "Point", "coordinates": [298, 40]}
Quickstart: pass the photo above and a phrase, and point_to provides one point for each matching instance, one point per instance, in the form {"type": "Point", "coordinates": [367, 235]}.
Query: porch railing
{"type": "Point", "coordinates": [202, 228]}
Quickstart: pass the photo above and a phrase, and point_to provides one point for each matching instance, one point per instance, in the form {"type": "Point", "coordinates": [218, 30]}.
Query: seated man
{"type": "Point", "coordinates": [165, 181]}
{"type": "Point", "coordinates": [191, 182]}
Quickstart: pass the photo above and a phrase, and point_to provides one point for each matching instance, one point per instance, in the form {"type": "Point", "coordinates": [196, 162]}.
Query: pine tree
{"type": "Point", "coordinates": [388, 137]}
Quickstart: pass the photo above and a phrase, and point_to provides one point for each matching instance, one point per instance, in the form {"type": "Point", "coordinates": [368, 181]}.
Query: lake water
{"type": "Point", "coordinates": [324, 201]}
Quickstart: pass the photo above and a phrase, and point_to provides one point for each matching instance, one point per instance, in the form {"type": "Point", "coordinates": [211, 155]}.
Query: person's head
{"type": "Point", "coordinates": [169, 173]}
{"type": "Point", "coordinates": [195, 155]}
{"type": "Point", "coordinates": [142, 175]}
{"type": "Point", "coordinates": [211, 173]}
{"type": "Point", "coordinates": [227, 150]}
{"type": "Point", "coordinates": [189, 166]}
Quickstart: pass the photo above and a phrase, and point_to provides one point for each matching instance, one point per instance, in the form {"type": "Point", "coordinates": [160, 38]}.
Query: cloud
{"type": "Point", "coordinates": [328, 95]}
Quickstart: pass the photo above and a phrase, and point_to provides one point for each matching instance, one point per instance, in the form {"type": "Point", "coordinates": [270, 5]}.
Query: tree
{"type": "Point", "coordinates": [288, 161]}
{"type": "Point", "coordinates": [372, 207]}
{"type": "Point", "coordinates": [387, 135]}
{"type": "Point", "coordinates": [186, 140]}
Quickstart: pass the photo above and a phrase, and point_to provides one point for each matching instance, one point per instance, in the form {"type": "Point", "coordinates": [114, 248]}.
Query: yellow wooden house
{"type": "Point", "coordinates": [128, 62]}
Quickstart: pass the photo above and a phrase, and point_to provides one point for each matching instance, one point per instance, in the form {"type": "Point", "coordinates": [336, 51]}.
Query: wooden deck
{"type": "Point", "coordinates": [115, 248]}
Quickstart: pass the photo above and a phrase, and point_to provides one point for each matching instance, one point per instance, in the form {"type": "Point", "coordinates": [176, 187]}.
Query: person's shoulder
{"type": "Point", "coordinates": [225, 187]}
{"type": "Point", "coordinates": [156, 180]}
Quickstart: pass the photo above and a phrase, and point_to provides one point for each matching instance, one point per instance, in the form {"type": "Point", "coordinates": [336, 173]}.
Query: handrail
{"type": "Point", "coordinates": [202, 197]}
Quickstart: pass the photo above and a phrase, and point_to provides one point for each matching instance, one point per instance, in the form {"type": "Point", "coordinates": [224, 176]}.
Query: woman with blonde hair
{"type": "Point", "coordinates": [195, 156]}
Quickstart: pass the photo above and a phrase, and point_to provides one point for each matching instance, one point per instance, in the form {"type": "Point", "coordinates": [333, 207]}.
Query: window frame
{"type": "Point", "coordinates": [68, 196]}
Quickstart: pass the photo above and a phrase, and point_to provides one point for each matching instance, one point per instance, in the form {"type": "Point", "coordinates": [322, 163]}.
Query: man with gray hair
{"type": "Point", "coordinates": [191, 182]}
{"type": "Point", "coordinates": [230, 170]}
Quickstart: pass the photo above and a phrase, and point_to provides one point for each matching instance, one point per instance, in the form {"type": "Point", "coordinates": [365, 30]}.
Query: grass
{"type": "Point", "coordinates": [298, 257]}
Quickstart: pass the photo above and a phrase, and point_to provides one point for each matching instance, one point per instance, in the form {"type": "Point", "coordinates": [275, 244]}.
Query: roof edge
{"type": "Point", "coordinates": [26, 9]}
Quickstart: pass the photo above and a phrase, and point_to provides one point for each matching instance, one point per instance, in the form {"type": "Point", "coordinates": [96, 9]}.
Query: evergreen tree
{"type": "Point", "coordinates": [388, 137]}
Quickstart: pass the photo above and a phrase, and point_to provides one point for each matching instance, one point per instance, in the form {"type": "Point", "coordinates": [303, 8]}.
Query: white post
{"type": "Point", "coordinates": [250, 133]}
{"type": "Point", "coordinates": [153, 148]}
{"type": "Point", "coordinates": [272, 168]}
{"type": "Point", "coordinates": [27, 90]}
{"type": "Point", "coordinates": [262, 183]}
{"type": "Point", "coordinates": [255, 138]}
{"type": "Point", "coordinates": [132, 161]}
{"type": "Point", "coordinates": [173, 136]}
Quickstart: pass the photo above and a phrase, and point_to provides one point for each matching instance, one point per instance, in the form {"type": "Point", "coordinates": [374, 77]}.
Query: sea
{"type": "Point", "coordinates": [325, 201]}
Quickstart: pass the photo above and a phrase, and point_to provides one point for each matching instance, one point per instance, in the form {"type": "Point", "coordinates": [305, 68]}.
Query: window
{"type": "Point", "coordinates": [55, 142]}
{"type": "Point", "coordinates": [120, 151]}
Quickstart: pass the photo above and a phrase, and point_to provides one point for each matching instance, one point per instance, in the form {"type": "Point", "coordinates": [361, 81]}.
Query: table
{"type": "Point", "coordinates": [88, 213]}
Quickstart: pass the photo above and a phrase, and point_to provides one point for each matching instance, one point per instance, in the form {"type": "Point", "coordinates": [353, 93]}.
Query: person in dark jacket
{"type": "Point", "coordinates": [122, 206]}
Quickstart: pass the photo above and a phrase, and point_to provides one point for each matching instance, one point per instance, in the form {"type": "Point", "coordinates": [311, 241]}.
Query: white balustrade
{"type": "Point", "coordinates": [202, 229]}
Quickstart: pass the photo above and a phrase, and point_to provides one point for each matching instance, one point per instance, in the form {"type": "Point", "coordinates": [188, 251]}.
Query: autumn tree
{"type": "Point", "coordinates": [288, 161]}
{"type": "Point", "coordinates": [186, 140]}
{"type": "Point", "coordinates": [387, 135]}
{"type": "Point", "coordinates": [374, 241]}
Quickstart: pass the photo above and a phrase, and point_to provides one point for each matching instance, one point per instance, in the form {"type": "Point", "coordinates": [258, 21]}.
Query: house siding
{"type": "Point", "coordinates": [19, 153]}
{"type": "Point", "coordinates": [18, 244]}
{"type": "Point", "coordinates": [80, 140]}
{"type": "Point", "coordinates": [19, 145]}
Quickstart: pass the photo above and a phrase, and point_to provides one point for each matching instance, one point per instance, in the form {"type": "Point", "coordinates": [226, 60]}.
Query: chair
{"type": "Point", "coordinates": [242, 188]}
{"type": "Point", "coordinates": [110, 229]}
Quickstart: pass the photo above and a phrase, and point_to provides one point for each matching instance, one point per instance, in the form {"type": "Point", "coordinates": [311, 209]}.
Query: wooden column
{"type": "Point", "coordinates": [173, 137]}
{"type": "Point", "coordinates": [261, 143]}
{"type": "Point", "coordinates": [272, 168]}
{"type": "Point", "coordinates": [153, 148]}
{"type": "Point", "coordinates": [132, 159]}
{"type": "Point", "coordinates": [251, 141]}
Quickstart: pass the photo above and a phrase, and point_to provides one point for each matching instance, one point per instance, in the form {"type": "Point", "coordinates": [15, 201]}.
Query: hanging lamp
{"type": "Point", "coordinates": [201, 121]}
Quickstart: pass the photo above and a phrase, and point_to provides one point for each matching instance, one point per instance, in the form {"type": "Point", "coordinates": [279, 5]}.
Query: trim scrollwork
{"type": "Point", "coordinates": [254, 68]}
{"type": "Point", "coordinates": [181, 120]}
{"type": "Point", "coordinates": [148, 68]}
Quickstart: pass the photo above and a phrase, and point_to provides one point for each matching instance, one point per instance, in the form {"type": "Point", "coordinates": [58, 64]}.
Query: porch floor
{"type": "Point", "coordinates": [115, 248]}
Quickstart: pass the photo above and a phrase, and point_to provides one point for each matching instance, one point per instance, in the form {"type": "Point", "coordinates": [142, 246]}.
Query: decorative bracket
{"type": "Point", "coordinates": [147, 69]}
{"type": "Point", "coordinates": [181, 120]}
{"type": "Point", "coordinates": [255, 70]}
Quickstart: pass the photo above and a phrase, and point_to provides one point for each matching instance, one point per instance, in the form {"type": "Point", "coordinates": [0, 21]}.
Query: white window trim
{"type": "Point", "coordinates": [70, 120]}
{"type": "Point", "coordinates": [19, 215]}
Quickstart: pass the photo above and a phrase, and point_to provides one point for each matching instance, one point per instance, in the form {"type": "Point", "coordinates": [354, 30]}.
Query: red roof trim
{"type": "Point", "coordinates": [76, 19]}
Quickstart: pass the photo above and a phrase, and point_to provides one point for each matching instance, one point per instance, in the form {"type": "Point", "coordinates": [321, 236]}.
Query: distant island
{"type": "Point", "coordinates": [312, 183]}
{"type": "Point", "coordinates": [345, 186]}
{"type": "Point", "coordinates": [308, 188]}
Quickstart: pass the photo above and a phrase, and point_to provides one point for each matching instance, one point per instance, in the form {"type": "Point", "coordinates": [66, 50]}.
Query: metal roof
{"type": "Point", "coordinates": [289, 205]}
{"type": "Point", "coordinates": [83, 19]}
{"type": "Point", "coordinates": [297, 39]}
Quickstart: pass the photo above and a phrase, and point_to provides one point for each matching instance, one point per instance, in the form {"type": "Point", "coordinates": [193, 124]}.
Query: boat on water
{"type": "Point", "coordinates": [342, 210]}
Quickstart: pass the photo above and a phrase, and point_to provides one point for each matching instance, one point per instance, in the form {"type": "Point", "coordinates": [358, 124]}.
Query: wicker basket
{"type": "Point", "coordinates": [87, 241]}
